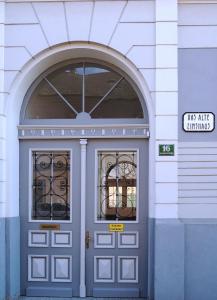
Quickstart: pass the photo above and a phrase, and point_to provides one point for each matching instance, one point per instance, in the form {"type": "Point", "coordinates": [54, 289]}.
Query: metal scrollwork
{"type": "Point", "coordinates": [117, 178]}
{"type": "Point", "coordinates": [51, 190]}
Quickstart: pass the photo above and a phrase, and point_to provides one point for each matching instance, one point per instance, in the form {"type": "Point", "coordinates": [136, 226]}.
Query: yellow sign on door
{"type": "Point", "coordinates": [116, 227]}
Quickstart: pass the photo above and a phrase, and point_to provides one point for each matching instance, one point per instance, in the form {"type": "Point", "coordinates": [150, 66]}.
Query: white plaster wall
{"type": "Point", "coordinates": [2, 115]}
{"type": "Point", "coordinates": [143, 34]}
{"type": "Point", "coordinates": [32, 27]}
{"type": "Point", "coordinates": [197, 24]}
{"type": "Point", "coordinates": [166, 108]}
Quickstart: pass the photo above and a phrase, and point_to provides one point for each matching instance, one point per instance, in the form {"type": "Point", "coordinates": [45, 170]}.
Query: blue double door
{"type": "Point", "coordinates": [114, 216]}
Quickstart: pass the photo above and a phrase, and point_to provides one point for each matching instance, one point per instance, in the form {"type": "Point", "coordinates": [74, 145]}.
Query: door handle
{"type": "Point", "coordinates": [87, 239]}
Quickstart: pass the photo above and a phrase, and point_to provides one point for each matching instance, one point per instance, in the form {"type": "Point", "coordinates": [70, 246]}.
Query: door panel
{"type": "Point", "coordinates": [50, 196]}
{"type": "Point", "coordinates": [117, 193]}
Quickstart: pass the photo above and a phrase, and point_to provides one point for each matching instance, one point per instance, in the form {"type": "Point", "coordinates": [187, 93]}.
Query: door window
{"type": "Point", "coordinates": [117, 185]}
{"type": "Point", "coordinates": [50, 185]}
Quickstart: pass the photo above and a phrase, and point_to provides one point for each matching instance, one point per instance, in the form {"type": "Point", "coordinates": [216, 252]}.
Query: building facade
{"type": "Point", "coordinates": [108, 167]}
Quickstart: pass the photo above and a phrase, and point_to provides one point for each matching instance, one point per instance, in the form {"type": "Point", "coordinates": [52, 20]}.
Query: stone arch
{"type": "Point", "coordinates": [26, 77]}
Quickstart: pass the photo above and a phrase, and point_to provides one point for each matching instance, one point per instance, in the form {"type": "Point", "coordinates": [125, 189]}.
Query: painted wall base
{"type": "Point", "coordinates": [185, 264]}
{"type": "Point", "coordinates": [2, 260]}
{"type": "Point", "coordinates": [13, 257]}
{"type": "Point", "coordinates": [9, 258]}
{"type": "Point", "coordinates": [169, 260]}
{"type": "Point", "coordinates": [201, 261]}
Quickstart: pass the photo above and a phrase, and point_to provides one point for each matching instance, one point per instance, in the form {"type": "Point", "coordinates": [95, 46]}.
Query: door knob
{"type": "Point", "coordinates": [87, 239]}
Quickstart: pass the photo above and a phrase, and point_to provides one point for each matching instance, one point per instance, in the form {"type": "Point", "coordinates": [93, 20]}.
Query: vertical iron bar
{"type": "Point", "coordinates": [51, 187]}
{"type": "Point", "coordinates": [34, 181]}
{"type": "Point", "coordinates": [117, 187]}
{"type": "Point", "coordinates": [83, 89]}
{"type": "Point", "coordinates": [66, 176]}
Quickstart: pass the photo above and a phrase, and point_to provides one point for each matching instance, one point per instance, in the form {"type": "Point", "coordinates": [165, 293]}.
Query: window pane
{"type": "Point", "coordinates": [45, 103]}
{"type": "Point", "coordinates": [98, 81]}
{"type": "Point", "coordinates": [117, 182]}
{"type": "Point", "coordinates": [50, 186]}
{"type": "Point", "coordinates": [123, 102]}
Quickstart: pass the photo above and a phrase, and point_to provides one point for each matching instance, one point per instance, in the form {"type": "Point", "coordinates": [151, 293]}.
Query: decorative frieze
{"type": "Point", "coordinates": [50, 132]}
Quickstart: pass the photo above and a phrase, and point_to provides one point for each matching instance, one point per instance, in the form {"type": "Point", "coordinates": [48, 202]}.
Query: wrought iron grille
{"type": "Point", "coordinates": [117, 185]}
{"type": "Point", "coordinates": [50, 186]}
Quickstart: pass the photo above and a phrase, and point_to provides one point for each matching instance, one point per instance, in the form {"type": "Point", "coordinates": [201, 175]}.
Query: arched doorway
{"type": "Point", "coordinates": [84, 183]}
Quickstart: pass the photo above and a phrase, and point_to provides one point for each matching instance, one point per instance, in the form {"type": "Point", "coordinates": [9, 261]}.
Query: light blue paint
{"type": "Point", "coordinates": [13, 257]}
{"type": "Point", "coordinates": [2, 260]}
{"type": "Point", "coordinates": [201, 262]}
{"type": "Point", "coordinates": [151, 251]}
{"type": "Point", "coordinates": [169, 260]}
{"type": "Point", "coordinates": [197, 88]}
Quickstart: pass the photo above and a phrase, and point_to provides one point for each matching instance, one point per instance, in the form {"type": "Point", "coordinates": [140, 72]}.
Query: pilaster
{"type": "Point", "coordinates": [166, 109]}
{"type": "Point", "coordinates": [83, 143]}
{"type": "Point", "coordinates": [2, 114]}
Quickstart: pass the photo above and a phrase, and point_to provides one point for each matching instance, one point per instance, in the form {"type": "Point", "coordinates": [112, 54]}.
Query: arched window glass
{"type": "Point", "coordinates": [83, 88]}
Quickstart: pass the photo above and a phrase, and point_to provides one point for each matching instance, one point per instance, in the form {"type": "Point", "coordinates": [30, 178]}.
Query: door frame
{"type": "Point", "coordinates": [83, 134]}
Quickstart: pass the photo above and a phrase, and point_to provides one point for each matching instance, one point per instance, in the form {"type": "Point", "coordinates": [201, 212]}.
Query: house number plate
{"type": "Point", "coordinates": [166, 149]}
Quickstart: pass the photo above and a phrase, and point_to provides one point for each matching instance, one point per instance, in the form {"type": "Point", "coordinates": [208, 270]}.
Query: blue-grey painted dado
{"type": "Point", "coordinates": [185, 259]}
{"type": "Point", "coordinates": [9, 258]}
{"type": "Point", "coordinates": [169, 260]}
{"type": "Point", "coordinates": [2, 260]}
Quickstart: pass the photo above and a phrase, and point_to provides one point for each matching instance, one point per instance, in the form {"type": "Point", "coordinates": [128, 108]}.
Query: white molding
{"type": "Point", "coordinates": [83, 143]}
{"type": "Point", "coordinates": [112, 234]}
{"type": "Point", "coordinates": [83, 131]}
{"type": "Point", "coordinates": [112, 258]}
{"type": "Point", "coordinates": [60, 245]}
{"type": "Point", "coordinates": [127, 246]}
{"type": "Point", "coordinates": [30, 278]}
{"type": "Point", "coordinates": [136, 269]}
{"type": "Point", "coordinates": [44, 232]}
{"type": "Point", "coordinates": [83, 126]}
{"type": "Point", "coordinates": [53, 279]}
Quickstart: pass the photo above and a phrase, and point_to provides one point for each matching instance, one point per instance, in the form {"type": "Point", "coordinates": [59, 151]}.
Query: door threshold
{"type": "Point", "coordinates": [77, 298]}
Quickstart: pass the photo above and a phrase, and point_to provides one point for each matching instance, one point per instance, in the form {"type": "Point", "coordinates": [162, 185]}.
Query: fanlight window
{"type": "Point", "coordinates": [83, 89]}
